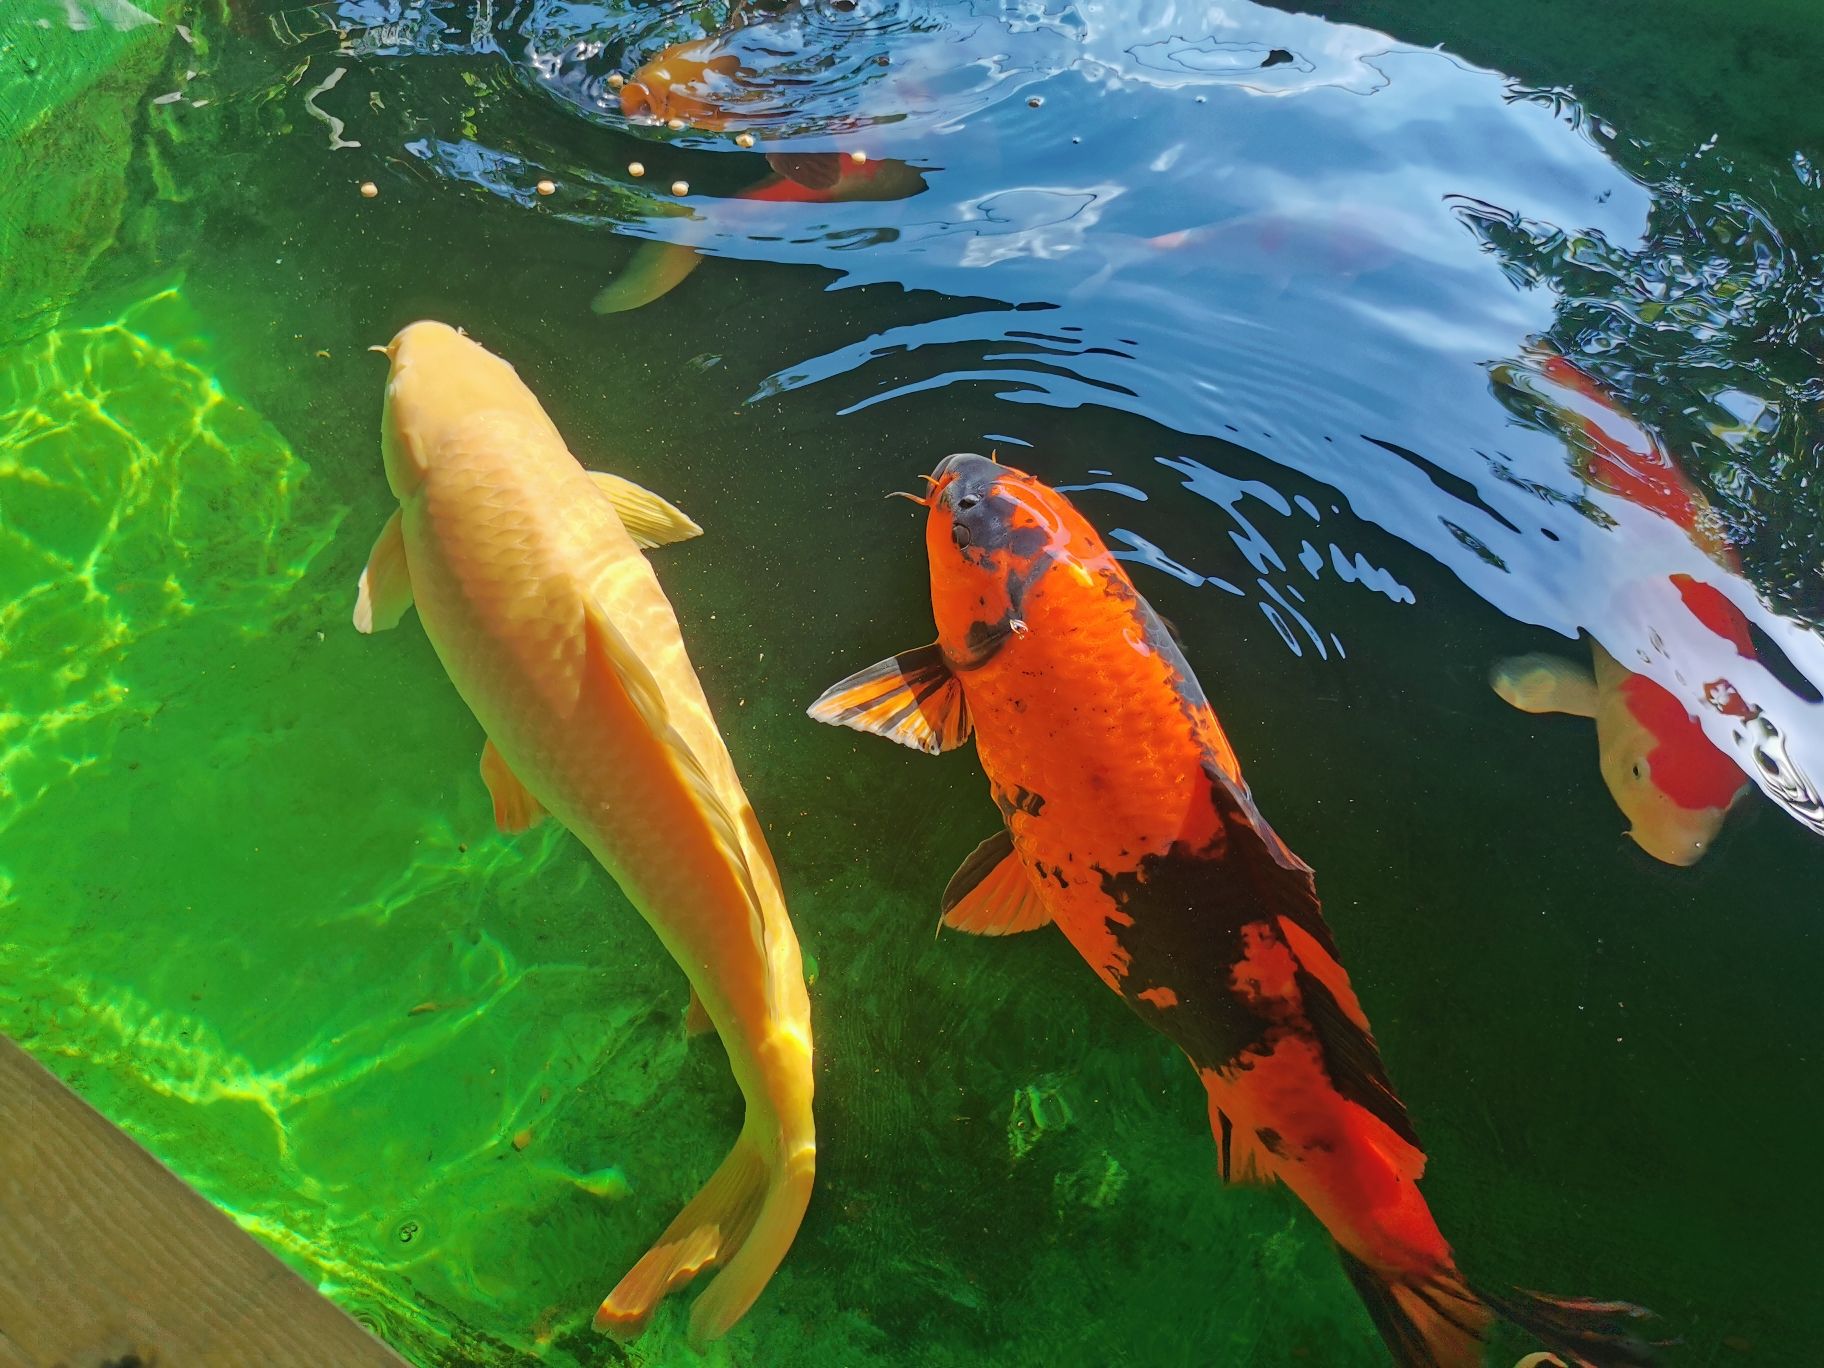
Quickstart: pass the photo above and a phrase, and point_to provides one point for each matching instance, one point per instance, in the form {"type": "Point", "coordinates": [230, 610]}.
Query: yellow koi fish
{"type": "Point", "coordinates": [526, 570]}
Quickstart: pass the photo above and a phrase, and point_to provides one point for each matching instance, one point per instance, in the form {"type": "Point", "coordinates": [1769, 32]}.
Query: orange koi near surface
{"type": "Point", "coordinates": [690, 82]}
{"type": "Point", "coordinates": [1129, 826]}
{"type": "Point", "coordinates": [1673, 783]}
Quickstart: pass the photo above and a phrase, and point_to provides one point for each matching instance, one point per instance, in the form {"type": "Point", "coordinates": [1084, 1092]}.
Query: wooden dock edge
{"type": "Point", "coordinates": [109, 1260]}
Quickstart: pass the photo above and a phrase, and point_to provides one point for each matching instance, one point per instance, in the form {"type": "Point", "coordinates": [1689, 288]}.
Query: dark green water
{"type": "Point", "coordinates": [255, 908]}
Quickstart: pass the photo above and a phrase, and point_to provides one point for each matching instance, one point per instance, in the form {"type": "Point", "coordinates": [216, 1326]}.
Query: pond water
{"type": "Point", "coordinates": [1390, 364]}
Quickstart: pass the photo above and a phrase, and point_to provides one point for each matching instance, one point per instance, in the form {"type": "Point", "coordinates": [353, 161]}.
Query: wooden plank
{"type": "Point", "coordinates": [105, 1254]}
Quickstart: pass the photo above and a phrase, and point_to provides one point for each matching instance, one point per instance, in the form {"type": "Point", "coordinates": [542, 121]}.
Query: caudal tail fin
{"type": "Point", "coordinates": [1442, 1323]}
{"type": "Point", "coordinates": [744, 1220]}
{"type": "Point", "coordinates": [657, 269]}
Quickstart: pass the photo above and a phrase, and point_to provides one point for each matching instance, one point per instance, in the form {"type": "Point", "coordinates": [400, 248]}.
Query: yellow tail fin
{"type": "Point", "coordinates": [744, 1220]}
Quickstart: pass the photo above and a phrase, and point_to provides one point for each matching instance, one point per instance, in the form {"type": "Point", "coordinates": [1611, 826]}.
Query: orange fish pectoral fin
{"type": "Point", "coordinates": [1241, 1157]}
{"type": "Point", "coordinates": [385, 591]}
{"type": "Point", "coordinates": [992, 894]}
{"type": "Point", "coordinates": [812, 170]}
{"type": "Point", "coordinates": [515, 809]}
{"type": "Point", "coordinates": [912, 698]}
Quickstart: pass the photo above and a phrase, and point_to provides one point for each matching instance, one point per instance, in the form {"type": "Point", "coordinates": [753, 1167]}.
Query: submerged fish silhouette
{"type": "Point", "coordinates": [527, 573]}
{"type": "Point", "coordinates": [1674, 784]}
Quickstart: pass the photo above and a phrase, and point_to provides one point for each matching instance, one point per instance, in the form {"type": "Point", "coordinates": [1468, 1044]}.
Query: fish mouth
{"type": "Point", "coordinates": [1672, 850]}
{"type": "Point", "coordinates": [636, 99]}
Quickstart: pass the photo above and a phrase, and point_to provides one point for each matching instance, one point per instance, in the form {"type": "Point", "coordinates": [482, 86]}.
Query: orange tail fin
{"type": "Point", "coordinates": [1442, 1323]}
{"type": "Point", "coordinates": [744, 1219]}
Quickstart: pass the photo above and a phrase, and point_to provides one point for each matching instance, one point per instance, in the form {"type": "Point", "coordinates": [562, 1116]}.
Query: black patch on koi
{"type": "Point", "coordinates": [1351, 1058]}
{"type": "Point", "coordinates": [1022, 799]}
{"type": "Point", "coordinates": [988, 524]}
{"type": "Point", "coordinates": [1272, 1142]}
{"type": "Point", "coordinates": [1164, 643]}
{"type": "Point", "coordinates": [1190, 912]}
{"type": "Point", "coordinates": [982, 641]}
{"type": "Point", "coordinates": [1187, 914]}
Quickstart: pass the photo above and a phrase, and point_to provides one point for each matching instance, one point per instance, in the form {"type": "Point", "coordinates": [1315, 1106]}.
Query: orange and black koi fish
{"type": "Point", "coordinates": [1128, 825]}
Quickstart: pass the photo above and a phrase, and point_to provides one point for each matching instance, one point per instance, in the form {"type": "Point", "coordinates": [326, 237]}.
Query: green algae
{"type": "Point", "coordinates": [137, 496]}
{"type": "Point", "coordinates": [70, 104]}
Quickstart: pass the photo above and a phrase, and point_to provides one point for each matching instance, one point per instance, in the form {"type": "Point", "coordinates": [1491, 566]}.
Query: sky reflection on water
{"type": "Point", "coordinates": [1299, 236]}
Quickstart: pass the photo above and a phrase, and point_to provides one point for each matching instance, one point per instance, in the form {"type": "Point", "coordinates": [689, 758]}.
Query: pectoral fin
{"type": "Point", "coordinates": [1240, 1156]}
{"type": "Point", "coordinates": [912, 698]}
{"type": "Point", "coordinates": [515, 809]}
{"type": "Point", "coordinates": [1545, 684]}
{"type": "Point", "coordinates": [812, 170]}
{"type": "Point", "coordinates": [696, 1017]}
{"type": "Point", "coordinates": [385, 591]}
{"type": "Point", "coordinates": [992, 894]}
{"type": "Point", "coordinates": [649, 519]}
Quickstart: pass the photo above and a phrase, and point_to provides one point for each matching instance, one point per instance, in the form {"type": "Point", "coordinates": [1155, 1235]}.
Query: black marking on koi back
{"type": "Point", "coordinates": [1190, 910]}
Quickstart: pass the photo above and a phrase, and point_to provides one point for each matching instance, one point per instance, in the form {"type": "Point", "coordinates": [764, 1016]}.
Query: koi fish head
{"type": "Point", "coordinates": [992, 532]}
{"type": "Point", "coordinates": [689, 81]}
{"type": "Point", "coordinates": [440, 378]}
{"type": "Point", "coordinates": [1671, 781]}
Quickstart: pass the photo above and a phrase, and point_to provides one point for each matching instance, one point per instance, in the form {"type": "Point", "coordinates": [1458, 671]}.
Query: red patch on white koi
{"type": "Point", "coordinates": [1684, 766]}
{"type": "Point", "coordinates": [1710, 606]}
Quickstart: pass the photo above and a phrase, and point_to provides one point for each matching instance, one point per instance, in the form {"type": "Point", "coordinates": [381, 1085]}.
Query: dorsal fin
{"type": "Point", "coordinates": [912, 698]}
{"type": "Point", "coordinates": [992, 894]}
{"type": "Point", "coordinates": [812, 170]}
{"type": "Point", "coordinates": [1288, 893]}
